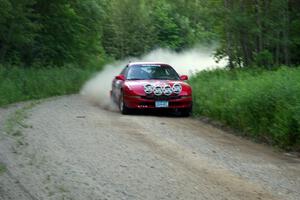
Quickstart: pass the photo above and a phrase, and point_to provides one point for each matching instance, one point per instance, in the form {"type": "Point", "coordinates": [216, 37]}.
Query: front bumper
{"type": "Point", "coordinates": [145, 102]}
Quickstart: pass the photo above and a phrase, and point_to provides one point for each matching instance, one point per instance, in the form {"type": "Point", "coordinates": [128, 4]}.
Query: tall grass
{"type": "Point", "coordinates": [20, 84]}
{"type": "Point", "coordinates": [262, 104]}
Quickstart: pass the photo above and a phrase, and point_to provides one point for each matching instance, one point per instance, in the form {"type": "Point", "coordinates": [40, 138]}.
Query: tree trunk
{"type": "Point", "coordinates": [259, 16]}
{"type": "Point", "coordinates": [286, 33]}
{"type": "Point", "coordinates": [228, 39]}
{"type": "Point", "coordinates": [277, 49]}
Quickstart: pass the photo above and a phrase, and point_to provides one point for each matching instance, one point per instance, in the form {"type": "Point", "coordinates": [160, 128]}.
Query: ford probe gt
{"type": "Point", "coordinates": [146, 85]}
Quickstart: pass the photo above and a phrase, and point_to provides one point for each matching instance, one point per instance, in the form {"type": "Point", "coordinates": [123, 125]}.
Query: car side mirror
{"type": "Point", "coordinates": [184, 77]}
{"type": "Point", "coordinates": [120, 77]}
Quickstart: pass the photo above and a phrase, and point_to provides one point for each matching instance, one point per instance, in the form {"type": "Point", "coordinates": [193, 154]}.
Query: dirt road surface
{"type": "Point", "coordinates": [67, 148]}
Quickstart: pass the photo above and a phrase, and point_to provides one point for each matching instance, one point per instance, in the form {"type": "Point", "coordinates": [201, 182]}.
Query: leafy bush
{"type": "Point", "coordinates": [262, 104]}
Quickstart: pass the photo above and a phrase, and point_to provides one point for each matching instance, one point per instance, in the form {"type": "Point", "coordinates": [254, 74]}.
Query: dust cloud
{"type": "Point", "coordinates": [97, 89]}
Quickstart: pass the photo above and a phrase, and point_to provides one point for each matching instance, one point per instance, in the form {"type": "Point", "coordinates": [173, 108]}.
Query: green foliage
{"type": "Point", "coordinates": [20, 84]}
{"type": "Point", "coordinates": [16, 119]}
{"type": "Point", "coordinates": [70, 31]}
{"type": "Point", "coordinates": [166, 28]}
{"type": "Point", "coordinates": [262, 104]}
{"type": "Point", "coordinates": [127, 29]}
{"type": "Point", "coordinates": [17, 30]}
{"type": "Point", "coordinates": [264, 59]}
{"type": "Point", "coordinates": [255, 33]}
{"type": "Point", "coordinates": [49, 32]}
{"type": "Point", "coordinates": [59, 32]}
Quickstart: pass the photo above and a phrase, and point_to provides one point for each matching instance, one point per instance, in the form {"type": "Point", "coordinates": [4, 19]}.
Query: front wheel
{"type": "Point", "coordinates": [123, 108]}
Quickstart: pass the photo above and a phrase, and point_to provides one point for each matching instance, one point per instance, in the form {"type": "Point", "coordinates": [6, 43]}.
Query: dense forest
{"type": "Point", "coordinates": [54, 33]}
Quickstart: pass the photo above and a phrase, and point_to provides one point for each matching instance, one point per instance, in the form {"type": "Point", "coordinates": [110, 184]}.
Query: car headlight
{"type": "Point", "coordinates": [177, 88]}
{"type": "Point", "coordinates": [168, 90]}
{"type": "Point", "coordinates": [148, 88]}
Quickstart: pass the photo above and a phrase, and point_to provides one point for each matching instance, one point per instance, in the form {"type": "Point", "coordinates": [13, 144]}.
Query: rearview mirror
{"type": "Point", "coordinates": [184, 77]}
{"type": "Point", "coordinates": [120, 77]}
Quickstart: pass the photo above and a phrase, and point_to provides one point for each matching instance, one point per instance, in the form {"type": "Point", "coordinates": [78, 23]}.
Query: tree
{"type": "Point", "coordinates": [71, 31]}
{"type": "Point", "coordinates": [17, 29]}
{"type": "Point", "coordinates": [258, 32]}
{"type": "Point", "coordinates": [128, 30]}
{"type": "Point", "coordinates": [249, 32]}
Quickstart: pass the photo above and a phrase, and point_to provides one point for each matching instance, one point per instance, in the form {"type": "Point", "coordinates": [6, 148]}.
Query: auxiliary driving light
{"type": "Point", "coordinates": [148, 88]}
{"type": "Point", "coordinates": [177, 88]}
{"type": "Point", "coordinates": [168, 90]}
{"type": "Point", "coordinates": [158, 91]}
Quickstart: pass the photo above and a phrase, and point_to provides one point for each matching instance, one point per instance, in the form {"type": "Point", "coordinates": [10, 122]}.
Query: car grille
{"type": "Point", "coordinates": [163, 97]}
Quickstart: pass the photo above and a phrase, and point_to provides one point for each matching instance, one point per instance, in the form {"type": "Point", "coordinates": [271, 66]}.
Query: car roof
{"type": "Point", "coordinates": [146, 63]}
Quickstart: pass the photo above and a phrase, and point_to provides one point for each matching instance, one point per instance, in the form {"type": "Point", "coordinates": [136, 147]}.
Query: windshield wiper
{"type": "Point", "coordinates": [169, 78]}
{"type": "Point", "coordinates": [135, 79]}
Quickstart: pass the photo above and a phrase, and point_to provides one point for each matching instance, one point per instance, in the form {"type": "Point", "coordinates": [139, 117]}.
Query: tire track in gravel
{"type": "Point", "coordinates": [10, 187]}
{"type": "Point", "coordinates": [191, 164]}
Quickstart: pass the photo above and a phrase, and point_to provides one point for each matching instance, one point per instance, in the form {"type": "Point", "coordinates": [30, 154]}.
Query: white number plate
{"type": "Point", "coordinates": [161, 104]}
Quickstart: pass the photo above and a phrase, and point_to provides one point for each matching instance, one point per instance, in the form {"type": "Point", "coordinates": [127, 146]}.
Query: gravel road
{"type": "Point", "coordinates": [69, 149]}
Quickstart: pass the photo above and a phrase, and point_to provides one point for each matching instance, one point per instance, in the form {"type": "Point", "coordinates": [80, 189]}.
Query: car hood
{"type": "Point", "coordinates": [136, 87]}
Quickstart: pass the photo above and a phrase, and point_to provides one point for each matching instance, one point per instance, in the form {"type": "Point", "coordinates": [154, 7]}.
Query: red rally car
{"type": "Point", "coordinates": [148, 85]}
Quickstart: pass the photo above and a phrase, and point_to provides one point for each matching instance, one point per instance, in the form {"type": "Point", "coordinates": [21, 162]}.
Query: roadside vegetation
{"type": "Point", "coordinates": [259, 103]}
{"type": "Point", "coordinates": [21, 84]}
{"type": "Point", "coordinates": [16, 120]}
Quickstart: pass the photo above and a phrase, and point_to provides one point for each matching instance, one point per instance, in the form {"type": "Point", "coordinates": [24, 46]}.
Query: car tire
{"type": "Point", "coordinates": [123, 108]}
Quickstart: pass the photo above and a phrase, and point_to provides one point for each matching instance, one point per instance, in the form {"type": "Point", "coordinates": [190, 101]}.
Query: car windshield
{"type": "Point", "coordinates": [146, 72]}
